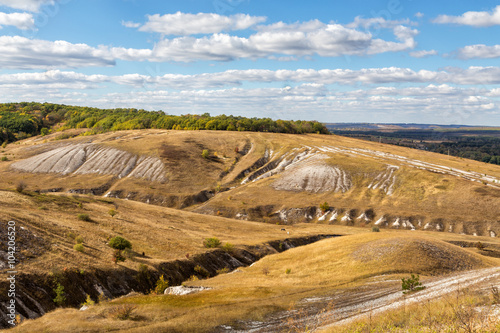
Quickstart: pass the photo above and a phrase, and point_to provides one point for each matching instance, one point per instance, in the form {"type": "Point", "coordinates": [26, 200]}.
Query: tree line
{"type": "Point", "coordinates": [21, 120]}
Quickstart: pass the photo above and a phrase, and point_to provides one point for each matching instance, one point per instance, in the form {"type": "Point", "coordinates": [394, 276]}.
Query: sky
{"type": "Point", "coordinates": [390, 61]}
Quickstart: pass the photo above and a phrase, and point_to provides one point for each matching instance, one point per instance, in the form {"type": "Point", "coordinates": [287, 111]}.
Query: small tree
{"type": "Point", "coordinates": [411, 284]}
{"type": "Point", "coordinates": [60, 295]}
{"type": "Point", "coordinates": [78, 247]}
{"type": "Point", "coordinates": [118, 256]}
{"type": "Point", "coordinates": [21, 186]}
{"type": "Point", "coordinates": [112, 212]}
{"type": "Point", "coordinates": [324, 207]}
{"type": "Point", "coordinates": [161, 285]}
{"type": "Point", "coordinates": [212, 242]}
{"type": "Point", "coordinates": [205, 153]}
{"type": "Point", "coordinates": [119, 243]}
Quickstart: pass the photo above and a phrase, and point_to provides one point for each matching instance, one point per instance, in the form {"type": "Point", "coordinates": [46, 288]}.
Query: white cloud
{"type": "Point", "coordinates": [130, 24]}
{"type": "Point", "coordinates": [423, 53]}
{"type": "Point", "coordinates": [30, 5]}
{"type": "Point", "coordinates": [24, 53]}
{"type": "Point", "coordinates": [419, 14]}
{"type": "Point", "coordinates": [438, 81]}
{"type": "Point", "coordinates": [475, 19]}
{"type": "Point", "coordinates": [23, 21]}
{"type": "Point", "coordinates": [183, 24]}
{"type": "Point", "coordinates": [480, 51]}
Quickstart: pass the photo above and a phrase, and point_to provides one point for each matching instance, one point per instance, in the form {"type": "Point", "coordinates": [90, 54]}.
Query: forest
{"type": "Point", "coordinates": [477, 144]}
{"type": "Point", "coordinates": [22, 120]}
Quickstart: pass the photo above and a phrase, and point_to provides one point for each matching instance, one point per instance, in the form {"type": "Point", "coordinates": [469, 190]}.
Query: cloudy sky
{"type": "Point", "coordinates": [334, 61]}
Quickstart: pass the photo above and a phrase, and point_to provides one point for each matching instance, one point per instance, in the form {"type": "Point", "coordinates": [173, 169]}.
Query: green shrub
{"type": "Point", "coordinates": [212, 242]}
{"type": "Point", "coordinates": [88, 301]}
{"type": "Point", "coordinates": [78, 247]}
{"type": "Point", "coordinates": [44, 131]}
{"type": "Point", "coordinates": [375, 229]}
{"type": "Point", "coordinates": [71, 235]}
{"type": "Point", "coordinates": [112, 212]}
{"type": "Point", "coordinates": [161, 285]}
{"type": "Point", "coordinates": [79, 239]}
{"type": "Point", "coordinates": [224, 270]}
{"type": "Point", "coordinates": [117, 256]}
{"type": "Point", "coordinates": [119, 243]}
{"type": "Point", "coordinates": [288, 271]}
{"type": "Point", "coordinates": [122, 312]}
{"type": "Point", "coordinates": [228, 247]}
{"type": "Point", "coordinates": [324, 206]}
{"type": "Point", "coordinates": [205, 153]}
{"type": "Point", "coordinates": [84, 217]}
{"type": "Point", "coordinates": [202, 271]}
{"type": "Point", "coordinates": [4, 158]}
{"type": "Point", "coordinates": [60, 298]}
{"type": "Point", "coordinates": [411, 284]}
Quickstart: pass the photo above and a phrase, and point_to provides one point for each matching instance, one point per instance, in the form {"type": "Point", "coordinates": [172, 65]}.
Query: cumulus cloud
{"type": "Point", "coordinates": [475, 19]}
{"type": "Point", "coordinates": [130, 24]}
{"type": "Point", "coordinates": [24, 53]}
{"type": "Point", "coordinates": [437, 80]}
{"type": "Point", "coordinates": [183, 24]}
{"type": "Point", "coordinates": [480, 51]}
{"type": "Point", "coordinates": [23, 21]}
{"type": "Point", "coordinates": [30, 5]}
{"type": "Point", "coordinates": [423, 53]}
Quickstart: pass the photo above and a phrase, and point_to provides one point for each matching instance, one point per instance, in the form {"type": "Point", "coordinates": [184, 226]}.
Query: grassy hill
{"type": "Point", "coordinates": [65, 187]}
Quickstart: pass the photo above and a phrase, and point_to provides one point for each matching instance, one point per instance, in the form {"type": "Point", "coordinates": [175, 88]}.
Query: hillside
{"type": "Point", "coordinates": [276, 178]}
{"type": "Point", "coordinates": [66, 188]}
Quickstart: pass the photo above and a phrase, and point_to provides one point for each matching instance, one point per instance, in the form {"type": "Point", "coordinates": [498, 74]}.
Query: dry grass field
{"type": "Point", "coordinates": [227, 195]}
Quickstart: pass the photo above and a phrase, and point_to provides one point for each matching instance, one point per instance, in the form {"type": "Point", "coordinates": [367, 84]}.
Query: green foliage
{"type": "Point", "coordinates": [411, 284]}
{"type": "Point", "coordinates": [324, 206]}
{"type": "Point", "coordinates": [112, 212]}
{"type": "Point", "coordinates": [161, 285]}
{"type": "Point", "coordinates": [60, 298]}
{"type": "Point", "coordinates": [375, 229]}
{"type": "Point", "coordinates": [78, 247]}
{"type": "Point", "coordinates": [88, 301]}
{"type": "Point", "coordinates": [79, 239]}
{"type": "Point", "coordinates": [228, 247]}
{"type": "Point", "coordinates": [288, 271]}
{"type": "Point", "coordinates": [20, 120]}
{"type": "Point", "coordinates": [205, 153]}
{"type": "Point", "coordinates": [212, 242]}
{"type": "Point", "coordinates": [224, 270]}
{"type": "Point", "coordinates": [202, 271]}
{"type": "Point", "coordinates": [4, 158]}
{"type": "Point", "coordinates": [84, 217]}
{"type": "Point", "coordinates": [119, 243]}
{"type": "Point", "coordinates": [118, 256]}
{"type": "Point", "coordinates": [4, 144]}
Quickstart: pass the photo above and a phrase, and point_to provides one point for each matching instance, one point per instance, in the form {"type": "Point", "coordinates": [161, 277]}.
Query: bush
{"type": "Point", "coordinates": [205, 153]}
{"type": "Point", "coordinates": [212, 242]}
{"type": "Point", "coordinates": [4, 158]}
{"type": "Point", "coordinates": [375, 229]}
{"type": "Point", "coordinates": [202, 271]}
{"type": "Point", "coordinates": [411, 284]}
{"type": "Point", "coordinates": [21, 186]}
{"type": "Point", "coordinates": [4, 144]}
{"type": "Point", "coordinates": [88, 301]}
{"type": "Point", "coordinates": [224, 270]}
{"type": "Point", "coordinates": [161, 285]}
{"type": "Point", "coordinates": [112, 212]}
{"type": "Point", "coordinates": [60, 298]}
{"type": "Point", "coordinates": [44, 131]}
{"type": "Point", "coordinates": [79, 239]}
{"type": "Point", "coordinates": [288, 271]}
{"type": "Point", "coordinates": [479, 246]}
{"type": "Point", "coordinates": [78, 247]}
{"type": "Point", "coordinates": [228, 247]}
{"type": "Point", "coordinates": [119, 243]}
{"type": "Point", "coordinates": [122, 312]}
{"type": "Point", "coordinates": [324, 207]}
{"type": "Point", "coordinates": [84, 217]}
{"type": "Point", "coordinates": [117, 256]}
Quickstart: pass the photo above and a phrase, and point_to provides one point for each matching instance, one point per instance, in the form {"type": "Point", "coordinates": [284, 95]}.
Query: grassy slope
{"type": "Point", "coordinates": [316, 269]}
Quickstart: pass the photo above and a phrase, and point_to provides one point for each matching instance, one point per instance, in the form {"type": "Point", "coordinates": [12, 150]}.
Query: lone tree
{"type": "Point", "coordinates": [119, 243]}
{"type": "Point", "coordinates": [411, 284]}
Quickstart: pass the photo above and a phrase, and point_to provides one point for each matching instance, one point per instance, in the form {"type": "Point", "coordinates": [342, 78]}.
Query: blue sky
{"type": "Point", "coordinates": [332, 61]}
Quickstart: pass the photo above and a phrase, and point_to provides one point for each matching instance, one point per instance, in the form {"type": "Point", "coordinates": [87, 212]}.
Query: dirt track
{"type": "Point", "coordinates": [375, 298]}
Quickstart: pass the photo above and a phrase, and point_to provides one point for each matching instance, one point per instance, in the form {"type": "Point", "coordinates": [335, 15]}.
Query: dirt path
{"type": "Point", "coordinates": [372, 299]}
